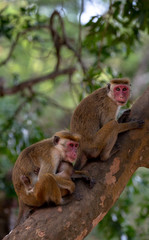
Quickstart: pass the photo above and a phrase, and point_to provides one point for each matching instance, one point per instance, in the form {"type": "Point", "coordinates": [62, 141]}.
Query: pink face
{"type": "Point", "coordinates": [71, 151]}
{"type": "Point", "coordinates": [121, 94]}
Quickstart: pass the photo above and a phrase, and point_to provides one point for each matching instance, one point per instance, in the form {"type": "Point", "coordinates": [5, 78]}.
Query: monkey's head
{"type": "Point", "coordinates": [119, 90]}
{"type": "Point", "coordinates": [68, 143]}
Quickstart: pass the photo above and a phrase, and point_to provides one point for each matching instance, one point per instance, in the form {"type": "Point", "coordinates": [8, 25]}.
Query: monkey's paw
{"type": "Point", "coordinates": [140, 123]}
{"type": "Point", "coordinates": [78, 196]}
{"type": "Point", "coordinates": [90, 182]}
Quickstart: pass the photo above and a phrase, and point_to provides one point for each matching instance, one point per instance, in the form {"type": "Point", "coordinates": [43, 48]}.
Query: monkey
{"type": "Point", "coordinates": [95, 119]}
{"type": "Point", "coordinates": [66, 170]}
{"type": "Point", "coordinates": [35, 177]}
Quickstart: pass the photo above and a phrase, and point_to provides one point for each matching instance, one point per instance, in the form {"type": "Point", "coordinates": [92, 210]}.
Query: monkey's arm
{"type": "Point", "coordinates": [85, 176]}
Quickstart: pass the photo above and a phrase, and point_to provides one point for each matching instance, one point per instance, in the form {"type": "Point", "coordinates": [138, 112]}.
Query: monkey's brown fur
{"type": "Point", "coordinates": [95, 120]}
{"type": "Point", "coordinates": [120, 80]}
{"type": "Point", "coordinates": [65, 170]}
{"type": "Point", "coordinates": [68, 135]}
{"type": "Point", "coordinates": [35, 175]}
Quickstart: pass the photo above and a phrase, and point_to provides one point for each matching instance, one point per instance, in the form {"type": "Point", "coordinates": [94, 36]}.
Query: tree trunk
{"type": "Point", "coordinates": [141, 77]}
{"type": "Point", "coordinates": [75, 220]}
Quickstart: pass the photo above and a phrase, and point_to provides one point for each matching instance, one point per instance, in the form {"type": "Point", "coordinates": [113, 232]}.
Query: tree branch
{"type": "Point", "coordinates": [75, 220]}
{"type": "Point", "coordinates": [14, 44]}
{"type": "Point", "coordinates": [60, 41]}
{"type": "Point", "coordinates": [29, 83]}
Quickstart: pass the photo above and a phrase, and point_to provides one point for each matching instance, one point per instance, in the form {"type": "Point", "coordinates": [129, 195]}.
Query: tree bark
{"type": "Point", "coordinates": [75, 220]}
{"type": "Point", "coordinates": [141, 77]}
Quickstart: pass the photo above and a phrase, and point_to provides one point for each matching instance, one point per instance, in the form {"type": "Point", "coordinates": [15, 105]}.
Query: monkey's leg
{"type": "Point", "coordinates": [112, 137]}
{"type": "Point", "coordinates": [64, 192]}
{"type": "Point", "coordinates": [107, 137]}
{"type": "Point", "coordinates": [65, 183]}
{"type": "Point", "coordinates": [93, 147]}
{"type": "Point", "coordinates": [104, 140]}
{"type": "Point", "coordinates": [107, 150]}
{"type": "Point", "coordinates": [46, 190]}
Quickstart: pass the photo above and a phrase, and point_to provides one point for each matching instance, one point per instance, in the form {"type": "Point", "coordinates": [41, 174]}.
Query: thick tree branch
{"type": "Point", "coordinates": [75, 220]}
{"type": "Point", "coordinates": [29, 83]}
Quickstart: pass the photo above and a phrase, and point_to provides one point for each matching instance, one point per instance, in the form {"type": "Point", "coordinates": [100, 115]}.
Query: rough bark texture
{"type": "Point", "coordinates": [75, 220]}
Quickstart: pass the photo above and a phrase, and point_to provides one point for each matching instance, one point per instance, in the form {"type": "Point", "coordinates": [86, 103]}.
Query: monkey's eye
{"type": "Point", "coordinates": [124, 89]}
{"type": "Point", "coordinates": [117, 89]}
{"type": "Point", "coordinates": [71, 144]}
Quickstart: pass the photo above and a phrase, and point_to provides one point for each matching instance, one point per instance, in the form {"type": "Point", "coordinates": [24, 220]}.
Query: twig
{"type": "Point", "coordinates": [53, 102]}
{"type": "Point", "coordinates": [60, 41]}
{"type": "Point", "coordinates": [80, 27]}
{"type": "Point", "coordinates": [29, 83]}
{"type": "Point", "coordinates": [14, 44]}
{"type": "Point", "coordinates": [57, 39]}
{"type": "Point", "coordinates": [105, 30]}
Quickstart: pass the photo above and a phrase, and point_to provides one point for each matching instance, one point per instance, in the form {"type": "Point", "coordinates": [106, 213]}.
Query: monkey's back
{"type": "Point", "coordinates": [92, 113]}
{"type": "Point", "coordinates": [29, 161]}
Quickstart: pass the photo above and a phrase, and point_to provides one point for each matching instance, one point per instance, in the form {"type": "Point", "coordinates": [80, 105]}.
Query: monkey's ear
{"type": "Point", "coordinates": [108, 87]}
{"type": "Point", "coordinates": [56, 140]}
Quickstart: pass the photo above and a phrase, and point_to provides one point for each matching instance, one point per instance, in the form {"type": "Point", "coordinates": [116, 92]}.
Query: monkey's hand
{"type": "Point", "coordinates": [66, 200]}
{"type": "Point", "coordinates": [78, 196]}
{"type": "Point", "coordinates": [140, 122]}
{"type": "Point", "coordinates": [91, 182]}
{"type": "Point", "coordinates": [82, 174]}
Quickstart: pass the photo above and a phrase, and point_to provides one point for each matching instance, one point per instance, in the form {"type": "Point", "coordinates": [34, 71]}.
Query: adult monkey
{"type": "Point", "coordinates": [95, 119]}
{"type": "Point", "coordinates": [40, 176]}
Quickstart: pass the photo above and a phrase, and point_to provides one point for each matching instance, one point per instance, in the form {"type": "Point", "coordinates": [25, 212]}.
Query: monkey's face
{"type": "Point", "coordinates": [71, 151]}
{"type": "Point", "coordinates": [121, 93]}
{"type": "Point", "coordinates": [67, 148]}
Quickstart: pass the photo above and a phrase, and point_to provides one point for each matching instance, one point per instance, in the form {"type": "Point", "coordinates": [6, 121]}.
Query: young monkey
{"type": "Point", "coordinates": [95, 119]}
{"type": "Point", "coordinates": [66, 170]}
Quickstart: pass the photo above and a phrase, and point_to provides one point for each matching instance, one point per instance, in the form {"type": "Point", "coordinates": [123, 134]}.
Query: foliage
{"type": "Point", "coordinates": [45, 41]}
{"type": "Point", "coordinates": [116, 31]}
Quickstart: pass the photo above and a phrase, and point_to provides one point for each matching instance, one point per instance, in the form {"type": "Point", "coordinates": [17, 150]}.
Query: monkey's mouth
{"type": "Point", "coordinates": [72, 160]}
{"type": "Point", "coordinates": [121, 102]}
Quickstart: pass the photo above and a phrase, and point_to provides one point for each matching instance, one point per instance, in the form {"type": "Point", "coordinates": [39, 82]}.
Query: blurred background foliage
{"type": "Point", "coordinates": [52, 54]}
